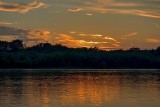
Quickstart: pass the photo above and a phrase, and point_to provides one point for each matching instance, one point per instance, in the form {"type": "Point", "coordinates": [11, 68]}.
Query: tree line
{"type": "Point", "coordinates": [44, 55]}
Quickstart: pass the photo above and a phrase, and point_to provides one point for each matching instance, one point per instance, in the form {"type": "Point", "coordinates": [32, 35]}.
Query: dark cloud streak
{"type": "Point", "coordinates": [25, 35]}
{"type": "Point", "coordinates": [9, 31]}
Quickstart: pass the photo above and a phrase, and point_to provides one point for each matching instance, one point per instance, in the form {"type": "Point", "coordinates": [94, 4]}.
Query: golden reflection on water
{"type": "Point", "coordinates": [81, 89]}
{"type": "Point", "coordinates": [78, 90]}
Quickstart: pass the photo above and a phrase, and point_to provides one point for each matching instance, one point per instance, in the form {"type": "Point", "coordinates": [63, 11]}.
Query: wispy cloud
{"type": "Point", "coordinates": [72, 32]}
{"type": "Point", "coordinates": [6, 23]}
{"type": "Point", "coordinates": [20, 7]}
{"type": "Point", "coordinates": [143, 8]}
{"type": "Point", "coordinates": [89, 14]}
{"type": "Point", "coordinates": [109, 38]}
{"type": "Point", "coordinates": [66, 40]}
{"type": "Point", "coordinates": [153, 40]}
{"type": "Point", "coordinates": [39, 35]}
{"type": "Point", "coordinates": [91, 42]}
{"type": "Point", "coordinates": [131, 34]}
{"type": "Point", "coordinates": [113, 3]}
{"type": "Point", "coordinates": [76, 10]}
{"type": "Point", "coordinates": [88, 40]}
{"type": "Point", "coordinates": [85, 34]}
{"type": "Point", "coordinates": [70, 41]}
{"type": "Point", "coordinates": [144, 13]}
{"type": "Point", "coordinates": [96, 35]}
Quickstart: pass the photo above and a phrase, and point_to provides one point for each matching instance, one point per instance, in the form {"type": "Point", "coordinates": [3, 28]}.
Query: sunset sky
{"type": "Point", "coordinates": [107, 24]}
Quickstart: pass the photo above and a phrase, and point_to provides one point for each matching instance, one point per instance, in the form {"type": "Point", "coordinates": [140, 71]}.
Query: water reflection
{"type": "Point", "coordinates": [79, 89]}
{"type": "Point", "coordinates": [88, 88]}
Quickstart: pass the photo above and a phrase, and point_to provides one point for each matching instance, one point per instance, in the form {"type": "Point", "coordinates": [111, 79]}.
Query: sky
{"type": "Point", "coordinates": [106, 24]}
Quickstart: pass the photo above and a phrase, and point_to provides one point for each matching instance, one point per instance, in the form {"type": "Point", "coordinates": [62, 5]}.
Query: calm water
{"type": "Point", "coordinates": [79, 88]}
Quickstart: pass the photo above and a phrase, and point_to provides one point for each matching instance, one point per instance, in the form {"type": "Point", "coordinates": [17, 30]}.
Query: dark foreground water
{"type": "Point", "coordinates": [79, 88]}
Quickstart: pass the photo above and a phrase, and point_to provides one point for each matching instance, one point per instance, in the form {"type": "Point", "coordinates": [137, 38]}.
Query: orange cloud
{"type": "Point", "coordinates": [20, 7]}
{"type": "Point", "coordinates": [109, 38]}
{"type": "Point", "coordinates": [66, 40]}
{"type": "Point", "coordinates": [30, 43]}
{"type": "Point", "coordinates": [7, 38]}
{"type": "Point", "coordinates": [109, 48]}
{"type": "Point", "coordinates": [96, 35]}
{"type": "Point", "coordinates": [97, 40]}
{"type": "Point", "coordinates": [153, 40]}
{"type": "Point", "coordinates": [72, 32]}
{"type": "Point", "coordinates": [33, 37]}
{"type": "Point", "coordinates": [112, 3]}
{"type": "Point", "coordinates": [82, 34]}
{"type": "Point", "coordinates": [116, 45]}
{"type": "Point", "coordinates": [114, 7]}
{"type": "Point", "coordinates": [143, 13]}
{"type": "Point", "coordinates": [36, 37]}
{"type": "Point", "coordinates": [89, 14]}
{"type": "Point", "coordinates": [75, 10]}
{"type": "Point", "coordinates": [39, 35]}
{"type": "Point", "coordinates": [90, 42]}
{"type": "Point", "coordinates": [6, 23]}
{"type": "Point", "coordinates": [131, 34]}
{"type": "Point", "coordinates": [85, 34]}
{"type": "Point", "coordinates": [69, 41]}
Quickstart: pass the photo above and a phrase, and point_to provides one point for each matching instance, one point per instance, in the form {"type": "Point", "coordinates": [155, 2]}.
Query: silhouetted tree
{"type": "Point", "coordinates": [45, 55]}
{"type": "Point", "coordinates": [134, 49]}
{"type": "Point", "coordinates": [16, 44]}
{"type": "Point", "coordinates": [4, 45]}
{"type": "Point", "coordinates": [158, 50]}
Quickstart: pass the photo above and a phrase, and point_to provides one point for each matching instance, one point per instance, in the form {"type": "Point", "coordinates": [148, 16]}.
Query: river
{"type": "Point", "coordinates": [79, 88]}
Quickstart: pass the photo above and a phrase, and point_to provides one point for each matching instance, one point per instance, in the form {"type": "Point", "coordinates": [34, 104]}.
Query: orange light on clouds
{"type": "Point", "coordinates": [66, 40]}
{"type": "Point", "coordinates": [102, 23]}
{"type": "Point", "coordinates": [70, 41]}
{"type": "Point", "coordinates": [153, 40]}
{"type": "Point", "coordinates": [6, 23]}
{"type": "Point", "coordinates": [109, 38]}
{"type": "Point", "coordinates": [75, 10]}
